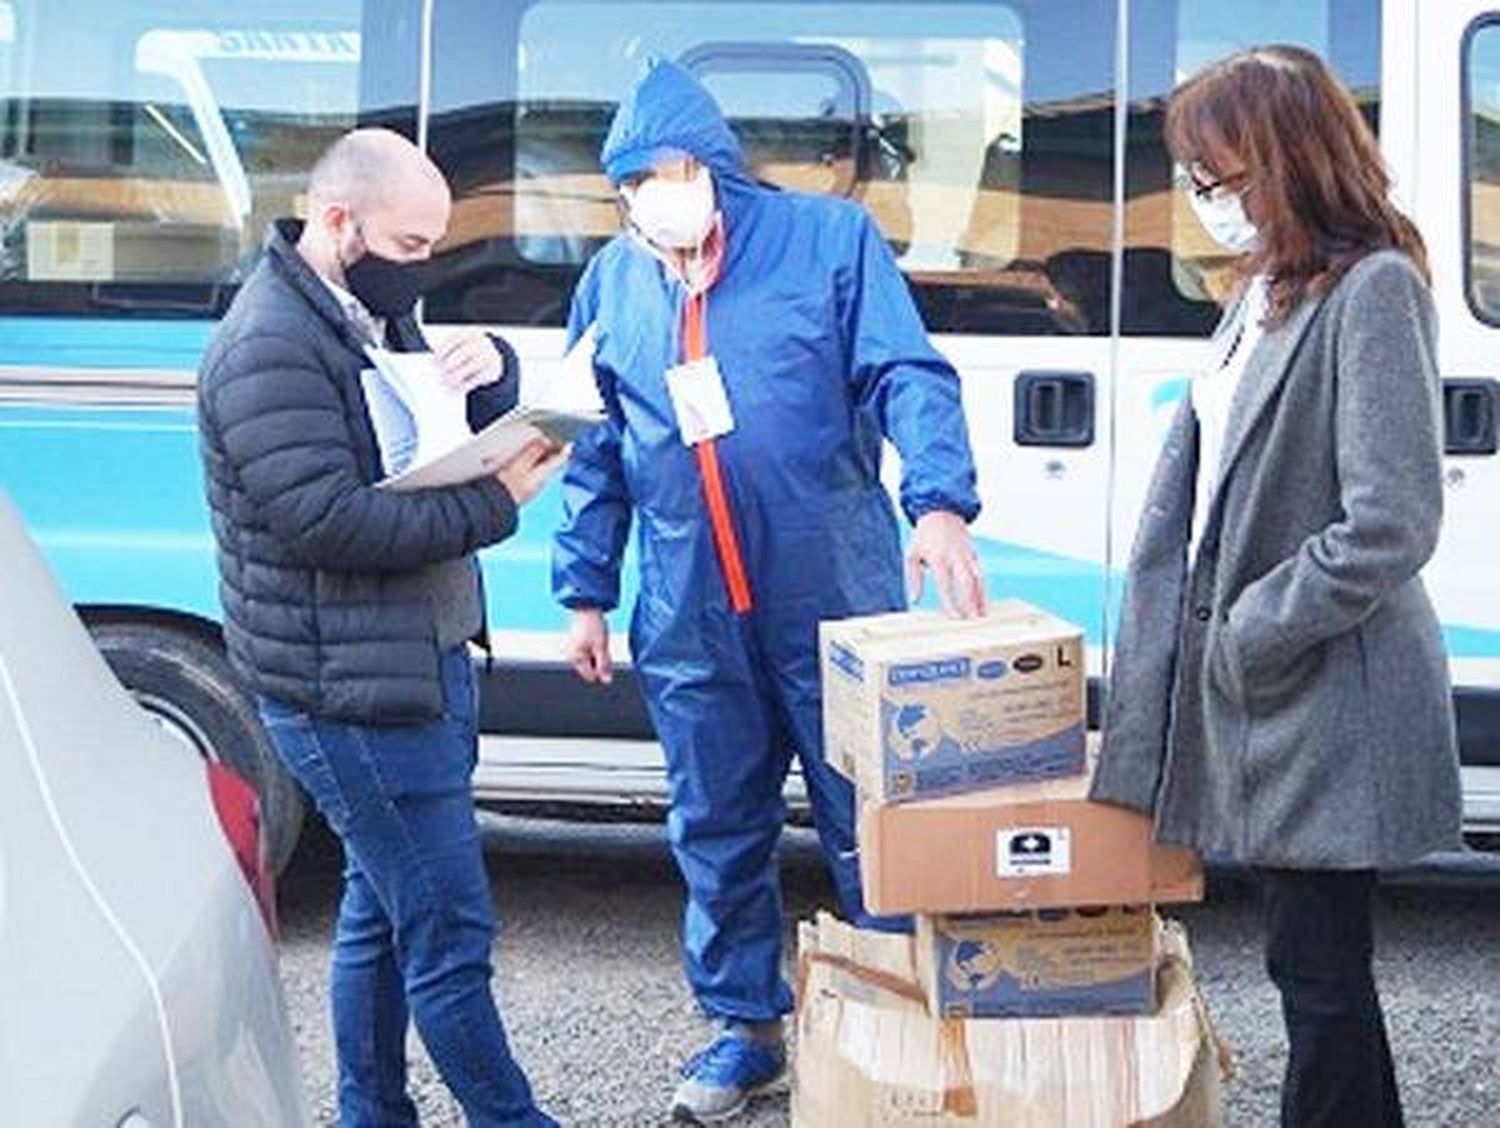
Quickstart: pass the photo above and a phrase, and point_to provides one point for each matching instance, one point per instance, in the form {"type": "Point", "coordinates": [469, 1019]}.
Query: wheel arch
{"type": "Point", "coordinates": [126, 614]}
{"type": "Point", "coordinates": [230, 702]}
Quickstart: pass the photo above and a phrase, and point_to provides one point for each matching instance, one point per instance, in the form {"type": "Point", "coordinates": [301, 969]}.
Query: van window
{"type": "Point", "coordinates": [145, 147]}
{"type": "Point", "coordinates": [977, 135]}
{"type": "Point", "coordinates": [803, 85]}
{"type": "Point", "coordinates": [1175, 274]}
{"type": "Point", "coordinates": [7, 43]}
{"type": "Point", "coordinates": [1482, 163]}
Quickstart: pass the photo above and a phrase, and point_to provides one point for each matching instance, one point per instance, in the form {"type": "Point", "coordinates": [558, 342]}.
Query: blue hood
{"type": "Point", "coordinates": [668, 112]}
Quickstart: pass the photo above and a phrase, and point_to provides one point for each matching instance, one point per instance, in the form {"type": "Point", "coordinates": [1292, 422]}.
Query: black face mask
{"type": "Point", "coordinates": [386, 288]}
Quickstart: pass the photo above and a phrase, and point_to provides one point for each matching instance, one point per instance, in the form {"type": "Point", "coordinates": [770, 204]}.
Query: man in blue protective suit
{"type": "Point", "coordinates": [753, 347]}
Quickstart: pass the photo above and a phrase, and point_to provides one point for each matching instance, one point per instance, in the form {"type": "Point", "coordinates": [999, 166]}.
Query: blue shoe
{"type": "Point", "coordinates": [719, 1081]}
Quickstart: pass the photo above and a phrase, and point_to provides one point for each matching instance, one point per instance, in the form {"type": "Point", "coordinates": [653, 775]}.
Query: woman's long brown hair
{"type": "Point", "coordinates": [1316, 184]}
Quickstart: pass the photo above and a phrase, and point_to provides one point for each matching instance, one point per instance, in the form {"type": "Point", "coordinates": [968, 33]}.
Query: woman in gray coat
{"type": "Point", "coordinates": [1279, 692]}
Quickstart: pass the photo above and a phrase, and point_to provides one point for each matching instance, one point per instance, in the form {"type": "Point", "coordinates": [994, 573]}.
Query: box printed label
{"type": "Point", "coordinates": [1032, 851]}
{"type": "Point", "coordinates": [846, 661]}
{"type": "Point", "coordinates": [926, 673]}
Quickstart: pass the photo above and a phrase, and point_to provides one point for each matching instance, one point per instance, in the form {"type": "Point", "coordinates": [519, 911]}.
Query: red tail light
{"type": "Point", "coordinates": [238, 809]}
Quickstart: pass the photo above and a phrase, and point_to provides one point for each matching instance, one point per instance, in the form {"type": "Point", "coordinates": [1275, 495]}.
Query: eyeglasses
{"type": "Point", "coordinates": [1202, 183]}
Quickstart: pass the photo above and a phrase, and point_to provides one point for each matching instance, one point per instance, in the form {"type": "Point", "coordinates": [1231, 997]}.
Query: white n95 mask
{"type": "Point", "coordinates": [1223, 216]}
{"type": "Point", "coordinates": [675, 214]}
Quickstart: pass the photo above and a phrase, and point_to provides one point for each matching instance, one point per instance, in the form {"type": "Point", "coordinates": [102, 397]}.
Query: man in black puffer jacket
{"type": "Point", "coordinates": [348, 610]}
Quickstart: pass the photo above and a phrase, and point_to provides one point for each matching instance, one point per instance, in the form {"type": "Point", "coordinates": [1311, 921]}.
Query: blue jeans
{"type": "Point", "coordinates": [416, 922]}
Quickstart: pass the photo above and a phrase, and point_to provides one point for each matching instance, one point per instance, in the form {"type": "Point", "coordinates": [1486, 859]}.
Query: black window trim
{"type": "Point", "coordinates": [818, 58]}
{"type": "Point", "coordinates": [1467, 145]}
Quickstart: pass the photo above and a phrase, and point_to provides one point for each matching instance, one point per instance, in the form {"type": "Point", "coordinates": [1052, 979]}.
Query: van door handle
{"type": "Point", "coordinates": [1469, 416]}
{"type": "Point", "coordinates": [1054, 409]}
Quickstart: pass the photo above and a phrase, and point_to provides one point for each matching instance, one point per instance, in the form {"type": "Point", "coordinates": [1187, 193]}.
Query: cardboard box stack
{"type": "Point", "coordinates": [871, 1055]}
{"type": "Point", "coordinates": [1040, 987]}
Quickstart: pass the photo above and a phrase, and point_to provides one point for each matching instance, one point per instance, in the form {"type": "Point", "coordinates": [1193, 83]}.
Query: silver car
{"type": "Point", "coordinates": [138, 981]}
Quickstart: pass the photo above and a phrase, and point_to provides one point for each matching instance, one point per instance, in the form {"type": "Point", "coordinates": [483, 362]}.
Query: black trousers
{"type": "Point", "coordinates": [1319, 951]}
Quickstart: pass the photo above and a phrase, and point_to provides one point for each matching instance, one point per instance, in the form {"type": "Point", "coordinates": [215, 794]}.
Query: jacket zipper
{"type": "Point", "coordinates": [721, 516]}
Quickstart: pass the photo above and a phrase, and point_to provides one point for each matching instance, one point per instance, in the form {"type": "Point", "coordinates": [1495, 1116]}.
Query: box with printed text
{"type": "Point", "coordinates": [916, 705]}
{"type": "Point", "coordinates": [1039, 963]}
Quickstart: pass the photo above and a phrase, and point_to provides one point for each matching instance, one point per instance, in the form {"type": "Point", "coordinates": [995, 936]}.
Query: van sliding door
{"type": "Point", "coordinates": [1453, 133]}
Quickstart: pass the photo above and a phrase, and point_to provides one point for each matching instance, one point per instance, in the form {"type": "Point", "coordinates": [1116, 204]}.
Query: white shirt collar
{"type": "Point", "coordinates": [355, 310]}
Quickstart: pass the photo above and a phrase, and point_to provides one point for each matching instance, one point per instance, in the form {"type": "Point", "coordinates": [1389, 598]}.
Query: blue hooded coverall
{"type": "Point", "coordinates": [822, 352]}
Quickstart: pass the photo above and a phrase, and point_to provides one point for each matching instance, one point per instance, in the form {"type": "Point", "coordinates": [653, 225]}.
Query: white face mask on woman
{"type": "Point", "coordinates": [1223, 216]}
{"type": "Point", "coordinates": [674, 214]}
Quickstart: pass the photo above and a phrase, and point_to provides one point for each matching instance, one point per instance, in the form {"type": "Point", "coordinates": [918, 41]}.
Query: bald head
{"type": "Point", "coordinates": [368, 166]}
{"type": "Point", "coordinates": [373, 191]}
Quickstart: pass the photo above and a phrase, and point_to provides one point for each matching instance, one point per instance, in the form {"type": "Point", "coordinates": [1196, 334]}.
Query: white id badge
{"type": "Point", "coordinates": [698, 398]}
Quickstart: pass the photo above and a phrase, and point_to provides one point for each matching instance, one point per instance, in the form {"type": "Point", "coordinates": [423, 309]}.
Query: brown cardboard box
{"type": "Point", "coordinates": [869, 1054]}
{"type": "Point", "coordinates": [1030, 845]}
{"type": "Point", "coordinates": [917, 705]}
{"type": "Point", "coordinates": [1039, 963]}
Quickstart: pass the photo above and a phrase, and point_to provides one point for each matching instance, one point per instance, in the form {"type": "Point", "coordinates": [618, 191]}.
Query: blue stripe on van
{"type": "Point", "coordinates": [145, 540]}
{"type": "Point", "coordinates": [86, 342]}
{"type": "Point", "coordinates": [1471, 642]}
{"type": "Point", "coordinates": [1170, 391]}
{"type": "Point", "coordinates": [1067, 586]}
{"type": "Point", "coordinates": [114, 499]}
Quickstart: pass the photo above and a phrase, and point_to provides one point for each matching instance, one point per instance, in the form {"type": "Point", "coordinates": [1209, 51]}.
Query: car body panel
{"type": "Point", "coordinates": [122, 872]}
{"type": "Point", "coordinates": [71, 991]}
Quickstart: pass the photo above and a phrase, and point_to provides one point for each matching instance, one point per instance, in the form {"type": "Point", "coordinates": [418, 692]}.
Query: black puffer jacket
{"type": "Point", "coordinates": [316, 566]}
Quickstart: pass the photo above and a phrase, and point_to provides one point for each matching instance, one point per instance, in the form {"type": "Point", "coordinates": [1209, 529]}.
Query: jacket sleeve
{"type": "Point", "coordinates": [490, 402]}
{"type": "Point", "coordinates": [1388, 442]}
{"type": "Point", "coordinates": [285, 433]}
{"type": "Point", "coordinates": [590, 543]}
{"type": "Point", "coordinates": [912, 390]}
{"type": "Point", "coordinates": [1142, 669]}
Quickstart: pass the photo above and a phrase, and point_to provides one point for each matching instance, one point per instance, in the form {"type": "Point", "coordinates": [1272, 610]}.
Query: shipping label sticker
{"type": "Point", "coordinates": [909, 1102]}
{"type": "Point", "coordinates": [1033, 851]}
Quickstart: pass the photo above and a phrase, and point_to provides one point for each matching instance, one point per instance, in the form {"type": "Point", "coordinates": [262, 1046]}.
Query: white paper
{"type": "Point", "coordinates": [395, 425]}
{"type": "Point", "coordinates": [571, 387]}
{"type": "Point", "coordinates": [422, 428]}
{"type": "Point", "coordinates": [416, 415]}
{"type": "Point", "coordinates": [484, 453]}
{"type": "Point", "coordinates": [699, 399]}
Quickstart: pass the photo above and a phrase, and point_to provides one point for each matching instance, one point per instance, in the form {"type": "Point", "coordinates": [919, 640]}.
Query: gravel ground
{"type": "Point", "coordinates": [590, 985]}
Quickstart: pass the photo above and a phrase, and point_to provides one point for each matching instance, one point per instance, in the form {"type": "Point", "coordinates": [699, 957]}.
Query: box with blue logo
{"type": "Point", "coordinates": [917, 705]}
{"type": "Point", "coordinates": [1038, 964]}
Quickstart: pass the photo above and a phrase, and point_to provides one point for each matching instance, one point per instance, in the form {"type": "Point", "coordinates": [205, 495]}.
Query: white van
{"type": "Point", "coordinates": [1010, 150]}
